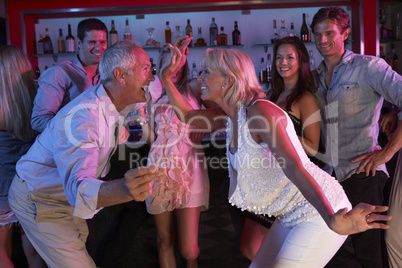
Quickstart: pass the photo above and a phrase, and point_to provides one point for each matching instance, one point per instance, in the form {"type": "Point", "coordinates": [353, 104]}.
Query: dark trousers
{"type": "Point", "coordinates": [362, 249]}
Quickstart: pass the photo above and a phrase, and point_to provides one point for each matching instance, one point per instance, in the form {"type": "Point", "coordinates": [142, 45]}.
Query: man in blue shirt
{"type": "Point", "coordinates": [350, 92]}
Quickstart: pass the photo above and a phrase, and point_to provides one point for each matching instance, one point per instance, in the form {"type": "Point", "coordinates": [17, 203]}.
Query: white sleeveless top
{"type": "Point", "coordinates": [261, 185]}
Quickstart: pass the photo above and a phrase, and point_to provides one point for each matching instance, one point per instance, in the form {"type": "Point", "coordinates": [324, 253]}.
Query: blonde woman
{"type": "Point", "coordinates": [17, 91]}
{"type": "Point", "coordinates": [269, 170]}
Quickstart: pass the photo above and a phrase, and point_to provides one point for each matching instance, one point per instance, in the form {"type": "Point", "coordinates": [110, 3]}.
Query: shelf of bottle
{"type": "Point", "coordinates": [389, 40]}
{"type": "Point", "coordinates": [270, 44]}
{"type": "Point", "coordinates": [204, 47]}
{"type": "Point", "coordinates": [55, 55]}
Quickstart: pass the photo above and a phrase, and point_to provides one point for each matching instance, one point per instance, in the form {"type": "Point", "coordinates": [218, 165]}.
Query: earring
{"type": "Point", "coordinates": [222, 87]}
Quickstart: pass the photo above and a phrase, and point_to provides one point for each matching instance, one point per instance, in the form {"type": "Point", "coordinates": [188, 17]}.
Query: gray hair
{"type": "Point", "coordinates": [119, 55]}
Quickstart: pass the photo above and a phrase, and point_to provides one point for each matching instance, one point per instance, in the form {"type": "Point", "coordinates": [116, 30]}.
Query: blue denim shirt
{"type": "Point", "coordinates": [350, 109]}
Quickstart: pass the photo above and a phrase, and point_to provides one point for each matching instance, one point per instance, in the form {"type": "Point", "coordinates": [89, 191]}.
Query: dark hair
{"type": "Point", "coordinates": [337, 14]}
{"type": "Point", "coordinates": [305, 81]}
{"type": "Point", "coordinates": [89, 25]}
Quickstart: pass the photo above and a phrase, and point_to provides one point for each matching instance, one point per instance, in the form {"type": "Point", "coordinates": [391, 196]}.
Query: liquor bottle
{"type": "Point", "coordinates": [275, 33]}
{"type": "Point", "coordinates": [194, 72]}
{"type": "Point", "coordinates": [304, 30]}
{"type": "Point", "coordinates": [269, 68]}
{"type": "Point", "coordinates": [113, 37]}
{"type": "Point", "coordinates": [70, 41]}
{"type": "Point", "coordinates": [292, 30]}
{"type": "Point", "coordinates": [168, 33]}
{"type": "Point", "coordinates": [309, 28]}
{"type": "Point", "coordinates": [189, 32]}
{"type": "Point", "coordinates": [61, 44]}
{"type": "Point", "coordinates": [39, 45]}
{"type": "Point", "coordinates": [213, 33]}
{"type": "Point", "coordinates": [127, 33]}
{"type": "Point", "coordinates": [37, 72]}
{"type": "Point", "coordinates": [176, 35]}
{"type": "Point", "coordinates": [222, 38]}
{"type": "Point", "coordinates": [47, 43]}
{"type": "Point", "coordinates": [236, 36]}
{"type": "Point", "coordinates": [263, 72]}
{"type": "Point", "coordinates": [394, 60]}
{"type": "Point", "coordinates": [283, 31]}
{"type": "Point", "coordinates": [153, 66]}
{"type": "Point", "coordinates": [312, 60]}
{"type": "Point", "coordinates": [200, 40]}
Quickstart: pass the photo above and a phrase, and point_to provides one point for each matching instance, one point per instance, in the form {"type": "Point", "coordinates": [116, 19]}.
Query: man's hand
{"type": "Point", "coordinates": [139, 181]}
{"type": "Point", "coordinates": [359, 219]}
{"type": "Point", "coordinates": [372, 160]}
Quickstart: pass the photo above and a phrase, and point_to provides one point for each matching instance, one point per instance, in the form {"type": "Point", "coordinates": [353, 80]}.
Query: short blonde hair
{"type": "Point", "coordinates": [238, 65]}
{"type": "Point", "coordinates": [17, 92]}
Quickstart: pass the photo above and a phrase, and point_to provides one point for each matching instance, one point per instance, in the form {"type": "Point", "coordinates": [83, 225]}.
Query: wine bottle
{"type": "Point", "coordinates": [275, 33]}
{"type": "Point", "coordinates": [153, 66]}
{"type": "Point", "coordinates": [39, 45]}
{"type": "Point", "coordinates": [194, 72]}
{"type": "Point", "coordinates": [269, 68]}
{"type": "Point", "coordinates": [236, 36]}
{"type": "Point", "coordinates": [200, 40]}
{"type": "Point", "coordinates": [283, 31]}
{"type": "Point", "coordinates": [263, 72]}
{"type": "Point", "coordinates": [37, 72]}
{"type": "Point", "coordinates": [113, 37]}
{"type": "Point", "coordinates": [309, 27]}
{"type": "Point", "coordinates": [61, 44]}
{"type": "Point", "coordinates": [168, 33]}
{"type": "Point", "coordinates": [127, 33]}
{"type": "Point", "coordinates": [222, 38]}
{"type": "Point", "coordinates": [189, 32]}
{"type": "Point", "coordinates": [304, 30]}
{"type": "Point", "coordinates": [292, 30]}
{"type": "Point", "coordinates": [213, 33]}
{"type": "Point", "coordinates": [70, 41]}
{"type": "Point", "coordinates": [47, 43]}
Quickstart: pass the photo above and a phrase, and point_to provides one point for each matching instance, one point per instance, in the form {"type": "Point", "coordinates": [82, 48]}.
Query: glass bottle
{"type": "Point", "coordinates": [61, 44]}
{"type": "Point", "coordinates": [37, 72]}
{"type": "Point", "coordinates": [309, 28]}
{"type": "Point", "coordinates": [275, 33]}
{"type": "Point", "coordinates": [113, 37]}
{"type": "Point", "coordinates": [236, 36]}
{"type": "Point", "coordinates": [222, 38]}
{"type": "Point", "coordinates": [263, 72]}
{"type": "Point", "coordinates": [194, 72]}
{"type": "Point", "coordinates": [189, 32]}
{"type": "Point", "coordinates": [153, 66]}
{"type": "Point", "coordinates": [283, 31]}
{"type": "Point", "coordinates": [200, 39]}
{"type": "Point", "coordinates": [269, 68]}
{"type": "Point", "coordinates": [292, 30]}
{"type": "Point", "coordinates": [47, 43]}
{"type": "Point", "coordinates": [39, 45]}
{"type": "Point", "coordinates": [176, 35]}
{"type": "Point", "coordinates": [213, 33]}
{"type": "Point", "coordinates": [70, 41]}
{"type": "Point", "coordinates": [168, 33]}
{"type": "Point", "coordinates": [312, 60]}
{"type": "Point", "coordinates": [304, 30]}
{"type": "Point", "coordinates": [127, 33]}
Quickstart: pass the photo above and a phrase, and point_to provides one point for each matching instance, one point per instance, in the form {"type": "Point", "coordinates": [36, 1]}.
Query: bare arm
{"type": "Point", "coordinates": [270, 124]}
{"type": "Point", "coordinates": [136, 185]}
{"type": "Point", "coordinates": [310, 119]}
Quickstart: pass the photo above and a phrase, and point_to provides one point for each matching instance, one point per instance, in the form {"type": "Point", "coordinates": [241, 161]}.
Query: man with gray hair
{"type": "Point", "coordinates": [58, 183]}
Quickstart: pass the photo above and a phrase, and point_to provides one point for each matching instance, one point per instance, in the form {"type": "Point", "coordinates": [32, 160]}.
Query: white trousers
{"type": "Point", "coordinates": [310, 244]}
{"type": "Point", "coordinates": [57, 235]}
